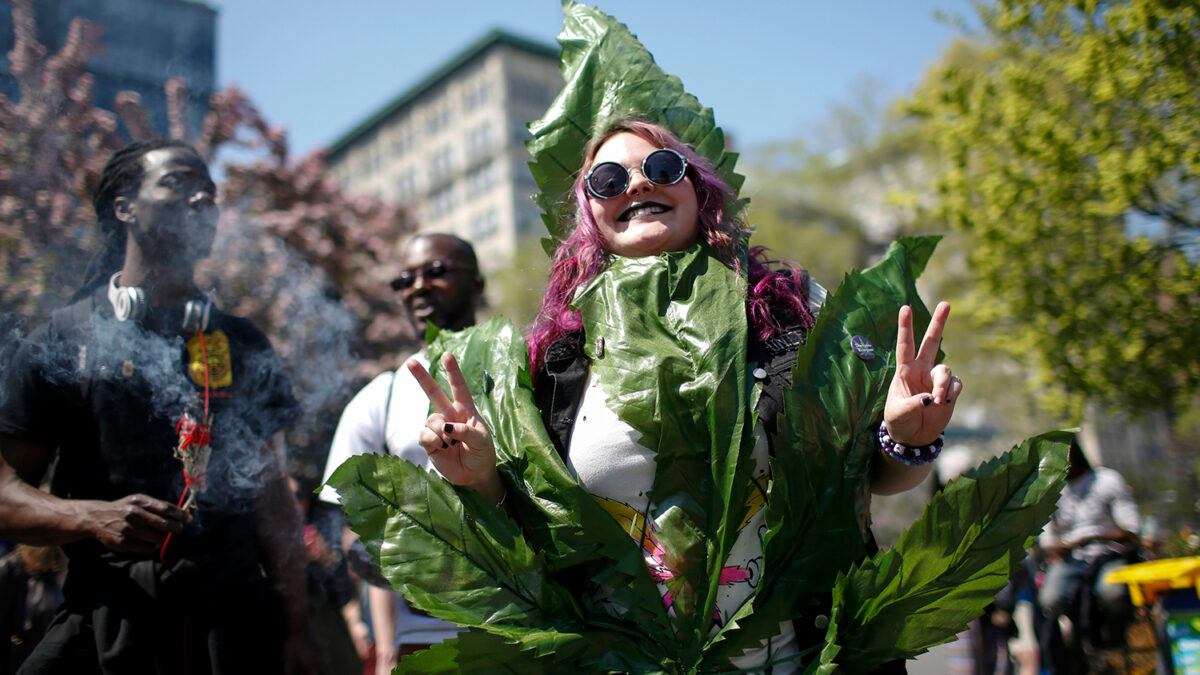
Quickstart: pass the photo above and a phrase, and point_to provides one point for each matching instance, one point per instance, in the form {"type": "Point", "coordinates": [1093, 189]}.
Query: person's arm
{"type": "Point", "coordinates": [281, 534]}
{"type": "Point", "coordinates": [920, 401]}
{"type": "Point", "coordinates": [1125, 513]}
{"type": "Point", "coordinates": [359, 633]}
{"type": "Point", "coordinates": [133, 524]}
{"type": "Point", "coordinates": [383, 620]}
{"type": "Point", "coordinates": [890, 477]}
{"type": "Point", "coordinates": [1051, 543]}
{"type": "Point", "coordinates": [455, 436]}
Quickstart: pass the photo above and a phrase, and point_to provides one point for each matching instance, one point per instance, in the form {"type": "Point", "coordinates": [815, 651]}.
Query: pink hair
{"type": "Point", "coordinates": [582, 256]}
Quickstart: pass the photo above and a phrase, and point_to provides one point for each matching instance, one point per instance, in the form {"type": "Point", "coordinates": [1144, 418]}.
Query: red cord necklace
{"type": "Point", "coordinates": [193, 448]}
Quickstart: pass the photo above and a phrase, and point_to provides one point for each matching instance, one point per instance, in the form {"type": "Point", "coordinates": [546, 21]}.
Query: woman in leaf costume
{"type": "Point", "coordinates": [712, 512]}
{"type": "Point", "coordinates": [642, 193]}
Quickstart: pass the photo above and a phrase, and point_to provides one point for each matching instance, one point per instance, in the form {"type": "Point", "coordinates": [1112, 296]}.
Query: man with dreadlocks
{"type": "Point", "coordinates": [161, 415]}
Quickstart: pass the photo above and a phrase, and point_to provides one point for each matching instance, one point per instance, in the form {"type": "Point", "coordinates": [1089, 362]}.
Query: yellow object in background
{"type": "Point", "coordinates": [1172, 579]}
{"type": "Point", "coordinates": [1146, 580]}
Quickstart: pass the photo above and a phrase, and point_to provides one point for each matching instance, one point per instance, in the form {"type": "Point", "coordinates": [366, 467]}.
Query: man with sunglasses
{"type": "Point", "coordinates": [440, 285]}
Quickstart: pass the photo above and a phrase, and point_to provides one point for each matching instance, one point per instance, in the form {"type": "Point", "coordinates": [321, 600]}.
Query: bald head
{"type": "Point", "coordinates": [455, 247]}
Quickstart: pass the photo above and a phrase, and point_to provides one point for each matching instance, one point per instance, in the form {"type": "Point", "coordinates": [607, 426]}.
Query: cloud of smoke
{"type": "Point", "coordinates": [258, 276]}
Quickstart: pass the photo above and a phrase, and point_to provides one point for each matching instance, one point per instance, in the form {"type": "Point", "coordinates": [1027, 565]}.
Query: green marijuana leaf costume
{"type": "Point", "coordinates": [674, 367]}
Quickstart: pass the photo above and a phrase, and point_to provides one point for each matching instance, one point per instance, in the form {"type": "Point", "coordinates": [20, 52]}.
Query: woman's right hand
{"type": "Point", "coordinates": [455, 437]}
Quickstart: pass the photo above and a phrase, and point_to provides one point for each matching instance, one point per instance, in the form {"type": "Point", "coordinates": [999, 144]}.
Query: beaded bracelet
{"type": "Point", "coordinates": [912, 456]}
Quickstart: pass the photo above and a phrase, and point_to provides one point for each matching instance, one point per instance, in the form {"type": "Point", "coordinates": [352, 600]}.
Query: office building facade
{"type": "Point", "coordinates": [452, 148]}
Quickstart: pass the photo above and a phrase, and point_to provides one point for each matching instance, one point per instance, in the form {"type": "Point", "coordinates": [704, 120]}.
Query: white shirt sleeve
{"type": "Point", "coordinates": [1124, 508]}
{"type": "Point", "coordinates": [360, 429]}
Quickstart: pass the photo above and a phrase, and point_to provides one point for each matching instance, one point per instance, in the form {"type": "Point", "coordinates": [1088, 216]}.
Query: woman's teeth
{"type": "Point", "coordinates": [640, 211]}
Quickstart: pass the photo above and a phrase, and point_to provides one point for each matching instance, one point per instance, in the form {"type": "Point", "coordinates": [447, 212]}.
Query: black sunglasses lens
{"type": "Point", "coordinates": [405, 280]}
{"type": "Point", "coordinates": [436, 270]}
{"type": "Point", "coordinates": [608, 180]}
{"type": "Point", "coordinates": [663, 167]}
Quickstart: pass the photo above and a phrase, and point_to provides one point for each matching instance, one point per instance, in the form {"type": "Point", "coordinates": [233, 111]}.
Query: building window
{"type": "Point", "coordinates": [441, 164]}
{"type": "Point", "coordinates": [476, 96]}
{"type": "Point", "coordinates": [481, 178]}
{"type": "Point", "coordinates": [403, 141]}
{"type": "Point", "coordinates": [439, 117]}
{"type": "Point", "coordinates": [406, 185]}
{"type": "Point", "coordinates": [479, 140]}
{"type": "Point", "coordinates": [485, 225]}
{"type": "Point", "coordinates": [441, 201]}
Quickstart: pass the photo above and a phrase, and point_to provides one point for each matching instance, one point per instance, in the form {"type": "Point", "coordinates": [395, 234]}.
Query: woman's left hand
{"type": "Point", "coordinates": [922, 396]}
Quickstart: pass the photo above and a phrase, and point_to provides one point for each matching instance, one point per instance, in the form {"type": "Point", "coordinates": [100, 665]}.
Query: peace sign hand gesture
{"type": "Point", "coordinates": [455, 437]}
{"type": "Point", "coordinates": [922, 395]}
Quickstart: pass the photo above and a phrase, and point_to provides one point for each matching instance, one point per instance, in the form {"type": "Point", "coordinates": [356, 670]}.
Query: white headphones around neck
{"type": "Point", "coordinates": [129, 304]}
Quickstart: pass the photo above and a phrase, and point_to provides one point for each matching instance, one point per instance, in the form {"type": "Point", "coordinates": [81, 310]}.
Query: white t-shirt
{"type": "Point", "coordinates": [619, 472]}
{"type": "Point", "coordinates": [386, 416]}
{"type": "Point", "coordinates": [1091, 504]}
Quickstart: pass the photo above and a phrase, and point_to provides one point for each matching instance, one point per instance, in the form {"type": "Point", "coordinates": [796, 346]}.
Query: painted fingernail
{"type": "Point", "coordinates": [449, 428]}
{"type": "Point", "coordinates": [948, 399]}
{"type": "Point", "coordinates": [927, 401]}
{"type": "Point", "coordinates": [444, 446]}
{"type": "Point", "coordinates": [453, 442]}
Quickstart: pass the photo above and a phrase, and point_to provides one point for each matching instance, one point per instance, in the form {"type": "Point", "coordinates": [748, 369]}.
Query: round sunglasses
{"type": "Point", "coordinates": [433, 270]}
{"type": "Point", "coordinates": [661, 167]}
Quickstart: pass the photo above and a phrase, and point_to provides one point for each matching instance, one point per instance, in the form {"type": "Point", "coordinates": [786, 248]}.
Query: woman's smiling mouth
{"type": "Point", "coordinates": [643, 209]}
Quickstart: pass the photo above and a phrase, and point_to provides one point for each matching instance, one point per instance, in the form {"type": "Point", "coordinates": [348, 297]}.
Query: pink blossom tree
{"type": "Point", "coordinates": [308, 264]}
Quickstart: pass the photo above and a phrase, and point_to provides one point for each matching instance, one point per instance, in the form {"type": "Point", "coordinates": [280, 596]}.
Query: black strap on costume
{"type": "Point", "coordinates": [559, 385]}
{"type": "Point", "coordinates": [775, 359]}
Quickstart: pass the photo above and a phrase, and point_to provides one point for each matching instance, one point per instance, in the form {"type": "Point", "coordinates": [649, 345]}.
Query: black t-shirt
{"type": "Point", "coordinates": [106, 396]}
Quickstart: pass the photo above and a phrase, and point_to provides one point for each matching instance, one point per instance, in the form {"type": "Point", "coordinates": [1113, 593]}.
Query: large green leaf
{"type": "Point", "coordinates": [673, 367]}
{"type": "Point", "coordinates": [473, 651]}
{"type": "Point", "coordinates": [456, 556]}
{"type": "Point", "coordinates": [580, 540]}
{"type": "Point", "coordinates": [951, 563]}
{"type": "Point", "coordinates": [825, 439]}
{"type": "Point", "coordinates": [449, 550]}
{"type": "Point", "coordinates": [609, 74]}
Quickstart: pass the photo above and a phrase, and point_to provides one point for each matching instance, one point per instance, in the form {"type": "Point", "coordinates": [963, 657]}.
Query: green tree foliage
{"type": "Point", "coordinates": [829, 199]}
{"type": "Point", "coordinates": [1071, 147]}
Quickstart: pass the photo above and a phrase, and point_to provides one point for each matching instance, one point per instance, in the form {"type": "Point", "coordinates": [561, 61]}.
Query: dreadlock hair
{"type": "Point", "coordinates": [121, 176]}
{"type": "Point", "coordinates": [772, 293]}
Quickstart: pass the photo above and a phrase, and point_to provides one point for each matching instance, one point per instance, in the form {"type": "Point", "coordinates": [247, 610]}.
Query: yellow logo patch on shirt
{"type": "Point", "coordinates": [216, 348]}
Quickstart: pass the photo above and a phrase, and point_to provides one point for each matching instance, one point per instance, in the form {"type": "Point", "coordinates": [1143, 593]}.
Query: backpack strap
{"type": "Point", "coordinates": [773, 361]}
{"type": "Point", "coordinates": [387, 411]}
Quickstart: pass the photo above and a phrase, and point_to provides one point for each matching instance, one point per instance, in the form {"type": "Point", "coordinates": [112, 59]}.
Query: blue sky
{"type": "Point", "coordinates": [770, 70]}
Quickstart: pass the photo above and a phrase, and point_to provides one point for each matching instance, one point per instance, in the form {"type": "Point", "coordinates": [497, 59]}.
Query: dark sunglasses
{"type": "Point", "coordinates": [661, 167]}
{"type": "Point", "coordinates": [434, 270]}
